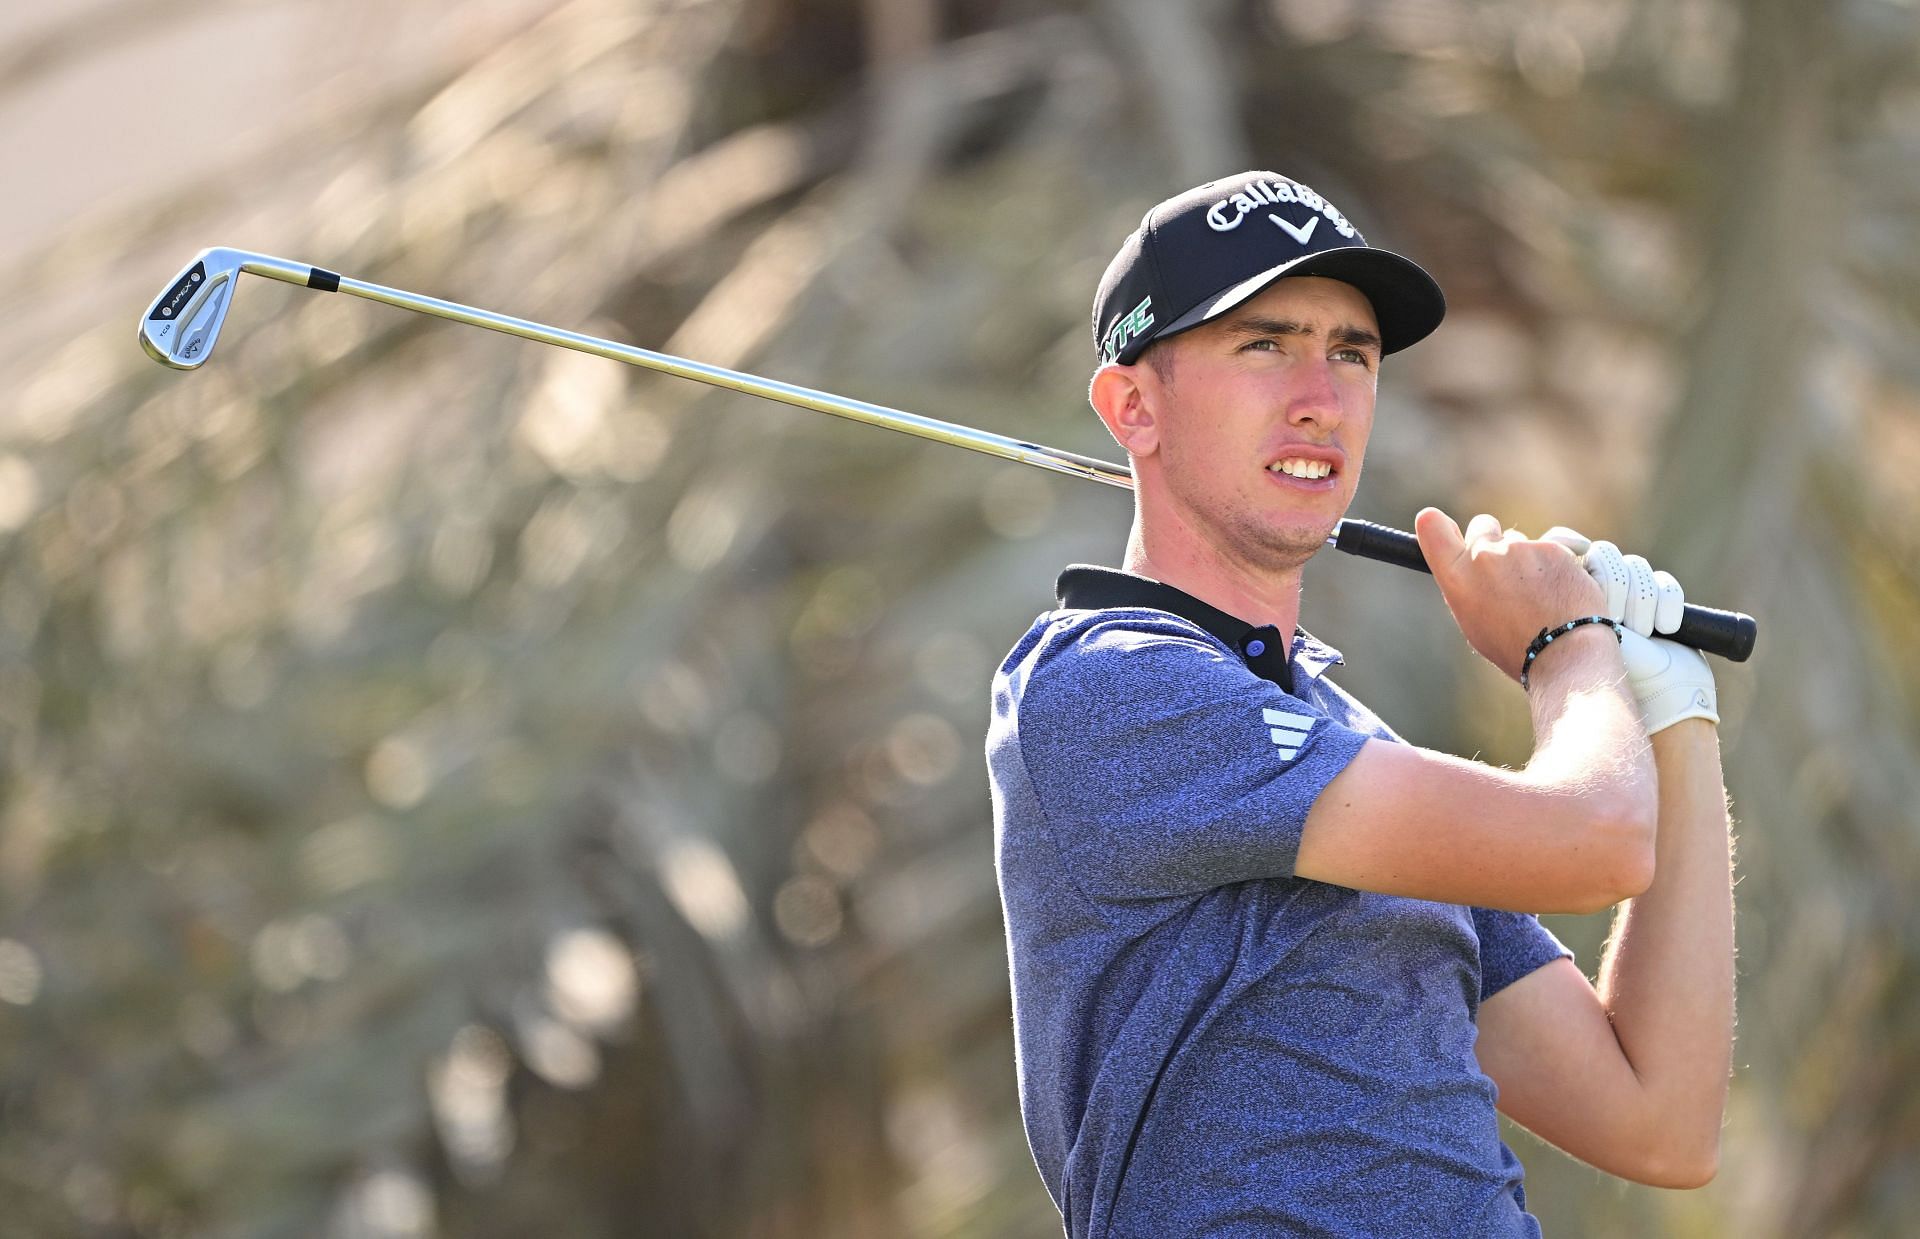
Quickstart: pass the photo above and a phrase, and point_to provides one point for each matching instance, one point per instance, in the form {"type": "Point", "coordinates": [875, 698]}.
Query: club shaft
{"type": "Point", "coordinates": [1727, 633]}
{"type": "Point", "coordinates": [1036, 454]}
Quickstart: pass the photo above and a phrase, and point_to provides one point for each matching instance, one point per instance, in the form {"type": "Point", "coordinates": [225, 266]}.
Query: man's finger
{"type": "Point", "coordinates": [1572, 539]}
{"type": "Point", "coordinates": [1441, 541]}
{"type": "Point", "coordinates": [1484, 528]}
{"type": "Point", "coordinates": [1672, 604]}
{"type": "Point", "coordinates": [1606, 565]}
{"type": "Point", "coordinates": [1642, 595]}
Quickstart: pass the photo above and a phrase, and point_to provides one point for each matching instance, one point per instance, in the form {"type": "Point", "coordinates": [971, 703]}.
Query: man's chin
{"type": "Point", "coordinates": [1274, 541]}
{"type": "Point", "coordinates": [1294, 554]}
{"type": "Point", "coordinates": [1291, 547]}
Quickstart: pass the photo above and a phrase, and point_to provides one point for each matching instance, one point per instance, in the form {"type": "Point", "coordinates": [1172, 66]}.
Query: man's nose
{"type": "Point", "coordinates": [1315, 397]}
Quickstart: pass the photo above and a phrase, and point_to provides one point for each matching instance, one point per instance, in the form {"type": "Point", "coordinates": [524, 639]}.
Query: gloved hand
{"type": "Point", "coordinates": [1670, 681]}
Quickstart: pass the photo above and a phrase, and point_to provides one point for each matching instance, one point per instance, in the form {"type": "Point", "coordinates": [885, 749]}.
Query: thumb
{"type": "Point", "coordinates": [1441, 541]}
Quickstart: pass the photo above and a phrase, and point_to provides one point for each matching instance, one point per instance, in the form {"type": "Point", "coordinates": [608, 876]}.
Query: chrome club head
{"type": "Point", "coordinates": [183, 322]}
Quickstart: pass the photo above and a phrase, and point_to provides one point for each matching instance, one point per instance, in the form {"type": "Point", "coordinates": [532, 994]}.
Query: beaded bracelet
{"type": "Point", "coordinates": [1547, 635]}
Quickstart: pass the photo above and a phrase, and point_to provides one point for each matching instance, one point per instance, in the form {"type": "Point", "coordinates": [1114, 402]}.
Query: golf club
{"type": "Point", "coordinates": [182, 325]}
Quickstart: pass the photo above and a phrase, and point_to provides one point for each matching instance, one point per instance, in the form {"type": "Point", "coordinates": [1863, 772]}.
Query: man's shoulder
{"type": "Point", "coordinates": [1069, 647]}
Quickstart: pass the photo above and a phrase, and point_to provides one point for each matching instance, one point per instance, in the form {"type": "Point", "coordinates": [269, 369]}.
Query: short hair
{"type": "Point", "coordinates": [1159, 355]}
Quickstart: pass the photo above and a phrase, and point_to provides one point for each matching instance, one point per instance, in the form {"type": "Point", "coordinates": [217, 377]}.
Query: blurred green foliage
{"type": "Point", "coordinates": [449, 786]}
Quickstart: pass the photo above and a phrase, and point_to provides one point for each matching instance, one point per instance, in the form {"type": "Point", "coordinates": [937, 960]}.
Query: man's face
{"type": "Point", "coordinates": [1262, 419]}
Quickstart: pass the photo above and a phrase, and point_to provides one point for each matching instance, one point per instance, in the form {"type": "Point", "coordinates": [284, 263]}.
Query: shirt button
{"type": "Point", "coordinates": [1256, 648]}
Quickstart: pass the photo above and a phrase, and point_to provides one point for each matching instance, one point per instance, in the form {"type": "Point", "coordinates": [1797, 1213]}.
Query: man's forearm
{"type": "Point", "coordinates": [1591, 752]}
{"type": "Point", "coordinates": [1667, 976]}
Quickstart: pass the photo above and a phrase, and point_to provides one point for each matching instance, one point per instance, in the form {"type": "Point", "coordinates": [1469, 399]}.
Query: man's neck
{"type": "Point", "coordinates": [1271, 597]}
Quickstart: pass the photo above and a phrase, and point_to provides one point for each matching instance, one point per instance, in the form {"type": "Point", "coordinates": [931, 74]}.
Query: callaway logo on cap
{"type": "Point", "coordinates": [1197, 255]}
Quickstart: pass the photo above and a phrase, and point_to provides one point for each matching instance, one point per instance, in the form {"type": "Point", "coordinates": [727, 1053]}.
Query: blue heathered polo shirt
{"type": "Point", "coordinates": [1208, 1045]}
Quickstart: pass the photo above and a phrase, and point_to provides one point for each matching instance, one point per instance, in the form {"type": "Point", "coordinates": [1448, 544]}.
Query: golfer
{"type": "Point", "coordinates": [1274, 968]}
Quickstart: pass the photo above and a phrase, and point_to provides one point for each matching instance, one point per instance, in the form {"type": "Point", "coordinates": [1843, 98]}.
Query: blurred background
{"type": "Point", "coordinates": [450, 786]}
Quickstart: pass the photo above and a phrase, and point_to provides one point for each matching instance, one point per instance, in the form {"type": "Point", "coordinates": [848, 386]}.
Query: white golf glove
{"type": "Point", "coordinates": [1670, 681]}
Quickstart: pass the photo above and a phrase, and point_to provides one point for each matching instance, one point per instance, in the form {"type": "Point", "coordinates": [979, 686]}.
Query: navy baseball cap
{"type": "Point", "coordinates": [1201, 253]}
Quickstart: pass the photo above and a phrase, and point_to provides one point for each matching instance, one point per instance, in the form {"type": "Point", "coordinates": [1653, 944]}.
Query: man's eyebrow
{"type": "Point", "coordinates": [1251, 325]}
{"type": "Point", "coordinates": [1356, 337]}
{"type": "Point", "coordinates": [1260, 325]}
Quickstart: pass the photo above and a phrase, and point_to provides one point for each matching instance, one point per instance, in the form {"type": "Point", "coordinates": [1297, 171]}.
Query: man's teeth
{"type": "Point", "coordinates": [1303, 468]}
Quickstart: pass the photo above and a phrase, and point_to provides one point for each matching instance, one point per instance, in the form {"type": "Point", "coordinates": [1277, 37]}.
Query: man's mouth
{"type": "Point", "coordinates": [1302, 468]}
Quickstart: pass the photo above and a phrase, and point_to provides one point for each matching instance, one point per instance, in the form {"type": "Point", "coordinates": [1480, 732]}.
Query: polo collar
{"type": "Point", "coordinates": [1083, 587]}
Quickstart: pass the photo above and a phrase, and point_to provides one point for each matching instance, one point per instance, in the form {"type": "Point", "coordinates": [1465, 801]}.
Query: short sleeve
{"type": "Point", "coordinates": [1163, 766]}
{"type": "Point", "coordinates": [1512, 944]}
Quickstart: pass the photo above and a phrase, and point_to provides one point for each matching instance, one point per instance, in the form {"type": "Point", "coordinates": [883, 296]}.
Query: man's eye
{"type": "Point", "coordinates": [1354, 354]}
{"type": "Point", "coordinates": [1265, 346]}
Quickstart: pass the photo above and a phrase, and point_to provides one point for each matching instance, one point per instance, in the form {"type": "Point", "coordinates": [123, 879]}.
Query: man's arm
{"type": "Point", "coordinates": [1632, 1076]}
{"type": "Point", "coordinates": [1571, 832]}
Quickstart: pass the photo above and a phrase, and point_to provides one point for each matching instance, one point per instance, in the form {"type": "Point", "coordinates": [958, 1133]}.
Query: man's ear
{"type": "Point", "coordinates": [1120, 395]}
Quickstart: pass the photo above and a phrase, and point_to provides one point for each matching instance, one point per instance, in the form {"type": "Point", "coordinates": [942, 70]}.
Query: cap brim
{"type": "Point", "coordinates": [1407, 302]}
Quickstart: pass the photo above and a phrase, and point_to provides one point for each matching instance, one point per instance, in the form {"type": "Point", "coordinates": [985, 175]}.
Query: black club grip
{"type": "Point", "coordinates": [1730, 634]}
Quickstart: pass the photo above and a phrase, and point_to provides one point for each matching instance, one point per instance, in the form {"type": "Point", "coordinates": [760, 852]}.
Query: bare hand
{"type": "Point", "coordinates": [1502, 586]}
